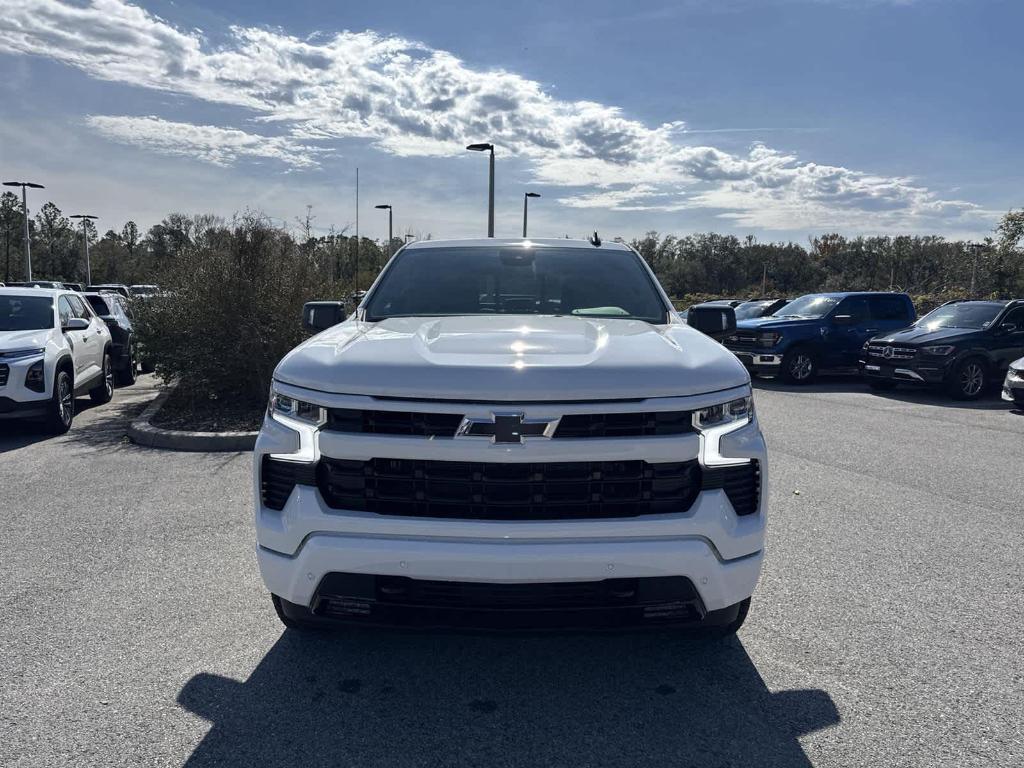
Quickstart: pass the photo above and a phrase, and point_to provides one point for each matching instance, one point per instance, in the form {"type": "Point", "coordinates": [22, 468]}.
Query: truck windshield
{"type": "Point", "coordinates": [26, 313]}
{"type": "Point", "coordinates": [811, 307]}
{"type": "Point", "coordinates": [513, 280]}
{"type": "Point", "coordinates": [967, 314]}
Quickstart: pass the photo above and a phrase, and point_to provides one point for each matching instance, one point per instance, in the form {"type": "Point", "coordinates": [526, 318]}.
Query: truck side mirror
{"type": "Point", "coordinates": [714, 320]}
{"type": "Point", "coordinates": [320, 315]}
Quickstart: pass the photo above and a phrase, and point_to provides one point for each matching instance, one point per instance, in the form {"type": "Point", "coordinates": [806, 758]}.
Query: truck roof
{"type": "Point", "coordinates": [505, 242]}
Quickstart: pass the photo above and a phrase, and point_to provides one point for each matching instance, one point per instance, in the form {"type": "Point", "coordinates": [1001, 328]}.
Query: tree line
{"type": "Point", "coordinates": [707, 264]}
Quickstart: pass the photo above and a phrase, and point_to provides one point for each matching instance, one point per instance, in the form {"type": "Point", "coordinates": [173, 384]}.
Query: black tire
{"type": "Point", "coordinates": [725, 631]}
{"type": "Point", "coordinates": [60, 411]}
{"type": "Point", "coordinates": [294, 616]}
{"type": "Point", "coordinates": [799, 366]}
{"type": "Point", "coordinates": [882, 385]}
{"type": "Point", "coordinates": [128, 374]}
{"type": "Point", "coordinates": [969, 379]}
{"type": "Point", "coordinates": [104, 391]}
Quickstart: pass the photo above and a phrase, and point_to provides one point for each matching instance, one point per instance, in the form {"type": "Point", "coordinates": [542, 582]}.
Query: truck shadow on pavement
{"type": "Point", "coordinates": [367, 698]}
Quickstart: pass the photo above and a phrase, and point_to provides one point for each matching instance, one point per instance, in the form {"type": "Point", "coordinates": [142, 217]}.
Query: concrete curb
{"type": "Point", "coordinates": [143, 433]}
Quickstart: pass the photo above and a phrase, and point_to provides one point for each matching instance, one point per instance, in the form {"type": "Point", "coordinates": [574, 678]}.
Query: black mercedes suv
{"type": "Point", "coordinates": [963, 346]}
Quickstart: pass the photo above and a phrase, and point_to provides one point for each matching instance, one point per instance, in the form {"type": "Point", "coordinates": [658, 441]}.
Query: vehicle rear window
{"type": "Point", "coordinates": [514, 280]}
{"type": "Point", "coordinates": [889, 308]}
{"type": "Point", "coordinates": [25, 313]}
{"type": "Point", "coordinates": [99, 305]}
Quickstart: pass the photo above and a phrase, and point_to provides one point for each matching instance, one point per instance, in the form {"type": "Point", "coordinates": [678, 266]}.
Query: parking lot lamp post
{"type": "Point", "coordinates": [526, 200]}
{"type": "Point", "coordinates": [976, 248]}
{"type": "Point", "coordinates": [24, 208]}
{"type": "Point", "coordinates": [386, 207]}
{"type": "Point", "coordinates": [490, 184]}
{"type": "Point", "coordinates": [85, 217]}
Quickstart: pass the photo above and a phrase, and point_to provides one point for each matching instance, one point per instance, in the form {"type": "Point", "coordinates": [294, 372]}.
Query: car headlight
{"type": "Point", "coordinates": [734, 412]}
{"type": "Point", "coordinates": [940, 350]}
{"type": "Point", "coordinates": [1016, 375]}
{"type": "Point", "coordinates": [768, 338]}
{"type": "Point", "coordinates": [284, 407]}
{"type": "Point", "coordinates": [20, 354]}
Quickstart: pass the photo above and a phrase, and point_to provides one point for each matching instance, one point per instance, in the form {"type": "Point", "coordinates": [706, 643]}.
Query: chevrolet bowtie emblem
{"type": "Point", "coordinates": [506, 427]}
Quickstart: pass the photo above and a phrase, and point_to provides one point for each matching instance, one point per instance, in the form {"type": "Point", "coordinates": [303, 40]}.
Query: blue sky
{"type": "Point", "coordinates": [778, 118]}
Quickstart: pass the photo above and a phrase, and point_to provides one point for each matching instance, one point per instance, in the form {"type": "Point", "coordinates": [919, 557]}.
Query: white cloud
{"type": "Point", "coordinates": [413, 100]}
{"type": "Point", "coordinates": [220, 146]}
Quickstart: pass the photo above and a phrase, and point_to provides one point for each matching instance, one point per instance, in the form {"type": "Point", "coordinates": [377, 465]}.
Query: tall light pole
{"type": "Point", "coordinates": [386, 207]}
{"type": "Point", "coordinates": [490, 184]}
{"type": "Point", "coordinates": [526, 200]}
{"type": "Point", "coordinates": [24, 208]}
{"type": "Point", "coordinates": [85, 217]}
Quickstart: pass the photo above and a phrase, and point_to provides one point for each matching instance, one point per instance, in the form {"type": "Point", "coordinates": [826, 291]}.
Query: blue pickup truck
{"type": "Point", "coordinates": [817, 332]}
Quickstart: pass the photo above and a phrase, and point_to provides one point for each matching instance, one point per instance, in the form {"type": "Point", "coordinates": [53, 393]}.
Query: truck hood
{"type": "Point", "coordinates": [921, 335]}
{"type": "Point", "coordinates": [14, 340]}
{"type": "Point", "coordinates": [511, 358]}
{"type": "Point", "coordinates": [775, 323]}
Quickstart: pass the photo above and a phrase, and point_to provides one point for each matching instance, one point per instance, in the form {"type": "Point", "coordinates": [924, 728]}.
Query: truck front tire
{"type": "Point", "coordinates": [799, 366]}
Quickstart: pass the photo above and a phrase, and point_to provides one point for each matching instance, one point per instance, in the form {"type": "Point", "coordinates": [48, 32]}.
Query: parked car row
{"type": "Point", "coordinates": [962, 346]}
{"type": "Point", "coordinates": [128, 291]}
{"type": "Point", "coordinates": [57, 344]}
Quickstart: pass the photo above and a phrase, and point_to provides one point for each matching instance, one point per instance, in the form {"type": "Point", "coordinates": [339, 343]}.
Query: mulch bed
{"type": "Point", "coordinates": [197, 414]}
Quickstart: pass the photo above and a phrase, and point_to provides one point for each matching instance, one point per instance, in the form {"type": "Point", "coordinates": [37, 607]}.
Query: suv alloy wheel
{"type": "Point", "coordinates": [105, 390]}
{"type": "Point", "coordinates": [61, 410]}
{"type": "Point", "coordinates": [969, 379]}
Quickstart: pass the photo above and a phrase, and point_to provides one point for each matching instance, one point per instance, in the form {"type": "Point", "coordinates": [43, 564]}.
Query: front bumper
{"type": "Point", "coordinates": [708, 544]}
{"type": "Point", "coordinates": [759, 361]}
{"type": "Point", "coordinates": [18, 401]}
{"type": "Point", "coordinates": [910, 371]}
{"type": "Point", "coordinates": [1013, 388]}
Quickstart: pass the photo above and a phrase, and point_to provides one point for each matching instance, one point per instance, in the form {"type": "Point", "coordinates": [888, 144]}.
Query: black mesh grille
{"type": "Point", "coordinates": [278, 478]}
{"type": "Point", "coordinates": [489, 491]}
{"type": "Point", "coordinates": [446, 424]}
{"type": "Point", "coordinates": [393, 422]}
{"type": "Point", "coordinates": [742, 484]}
{"type": "Point", "coordinates": [4, 373]}
{"type": "Point", "coordinates": [624, 424]}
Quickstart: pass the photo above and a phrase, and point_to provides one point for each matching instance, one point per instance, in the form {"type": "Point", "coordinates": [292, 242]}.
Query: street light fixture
{"type": "Point", "coordinates": [490, 184]}
{"type": "Point", "coordinates": [526, 199]}
{"type": "Point", "coordinates": [85, 239]}
{"type": "Point", "coordinates": [386, 207]}
{"type": "Point", "coordinates": [24, 208]}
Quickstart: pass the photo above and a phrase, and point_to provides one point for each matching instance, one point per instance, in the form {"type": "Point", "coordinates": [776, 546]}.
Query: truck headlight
{"type": "Point", "coordinates": [716, 421]}
{"type": "Point", "coordinates": [284, 407]}
{"type": "Point", "coordinates": [769, 338]}
{"type": "Point", "coordinates": [940, 350]}
{"type": "Point", "coordinates": [733, 413]}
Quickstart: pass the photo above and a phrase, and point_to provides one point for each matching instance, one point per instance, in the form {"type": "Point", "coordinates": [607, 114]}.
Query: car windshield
{"type": "Point", "coordinates": [750, 309]}
{"type": "Point", "coordinates": [26, 313]}
{"type": "Point", "coordinates": [967, 314]}
{"type": "Point", "coordinates": [812, 306]}
{"type": "Point", "coordinates": [513, 280]}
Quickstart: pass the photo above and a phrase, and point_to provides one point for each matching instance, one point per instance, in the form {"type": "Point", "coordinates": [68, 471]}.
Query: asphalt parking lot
{"type": "Point", "coordinates": [886, 630]}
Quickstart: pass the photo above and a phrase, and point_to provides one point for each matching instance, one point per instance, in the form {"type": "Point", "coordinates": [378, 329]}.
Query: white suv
{"type": "Point", "coordinates": [52, 348]}
{"type": "Point", "coordinates": [513, 434]}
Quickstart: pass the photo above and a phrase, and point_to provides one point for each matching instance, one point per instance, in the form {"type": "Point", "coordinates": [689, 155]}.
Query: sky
{"type": "Point", "coordinates": [777, 118]}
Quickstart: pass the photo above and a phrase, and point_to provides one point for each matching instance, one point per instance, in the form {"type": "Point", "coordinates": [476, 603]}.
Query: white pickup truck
{"type": "Point", "coordinates": [511, 434]}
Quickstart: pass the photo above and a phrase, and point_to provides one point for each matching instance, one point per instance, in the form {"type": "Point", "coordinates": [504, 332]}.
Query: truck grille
{"type": "Point", "coordinates": [5, 371]}
{"type": "Point", "coordinates": [898, 353]}
{"type": "Point", "coordinates": [495, 491]}
{"type": "Point", "coordinates": [744, 341]}
{"type": "Point", "coordinates": [582, 425]}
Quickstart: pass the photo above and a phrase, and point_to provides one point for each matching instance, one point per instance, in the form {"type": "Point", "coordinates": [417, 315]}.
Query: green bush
{"type": "Point", "coordinates": [233, 310]}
